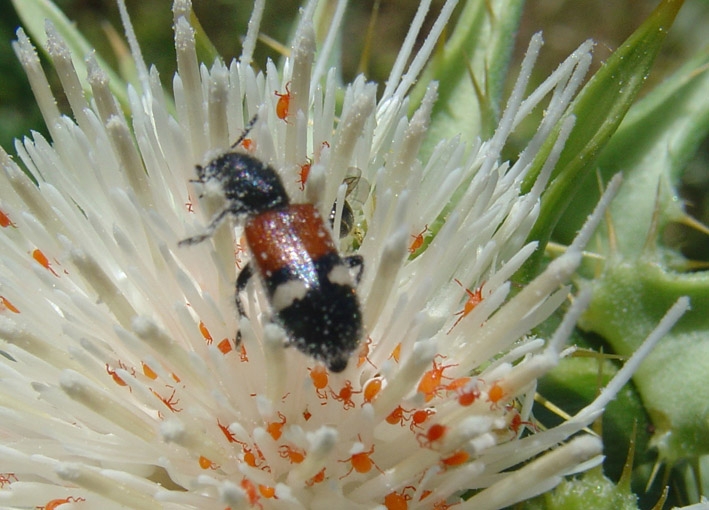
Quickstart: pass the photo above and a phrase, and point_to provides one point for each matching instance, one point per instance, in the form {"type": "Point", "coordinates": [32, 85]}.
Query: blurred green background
{"type": "Point", "coordinates": [565, 24]}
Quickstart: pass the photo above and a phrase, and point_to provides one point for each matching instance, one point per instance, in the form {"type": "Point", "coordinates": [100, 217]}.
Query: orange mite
{"type": "Point", "coordinates": [171, 402]}
{"type": "Point", "coordinates": [7, 478]}
{"type": "Point", "coordinates": [466, 394]}
{"type": "Point", "coordinates": [42, 259]}
{"type": "Point", "coordinates": [227, 433]}
{"type": "Point", "coordinates": [398, 500]}
{"type": "Point", "coordinates": [345, 395]}
{"type": "Point", "coordinates": [56, 502]}
{"type": "Point", "coordinates": [6, 305]}
{"type": "Point", "coordinates": [251, 492]}
{"type": "Point", "coordinates": [397, 416]}
{"type": "Point", "coordinates": [276, 428]}
{"type": "Point", "coordinates": [495, 394]}
{"type": "Point", "coordinates": [361, 462]}
{"type": "Point", "coordinates": [396, 353]}
{"type": "Point", "coordinates": [455, 459]}
{"type": "Point", "coordinates": [317, 478]}
{"type": "Point", "coordinates": [419, 417]}
{"type": "Point", "coordinates": [418, 240]}
{"type": "Point", "coordinates": [364, 352]}
{"type": "Point", "coordinates": [116, 378]}
{"type": "Point", "coordinates": [430, 383]}
{"type": "Point", "coordinates": [304, 172]}
{"type": "Point", "coordinates": [474, 299]}
{"type": "Point", "coordinates": [294, 455]}
{"type": "Point", "coordinates": [5, 221]}
{"type": "Point", "coordinates": [371, 389]}
{"type": "Point", "coordinates": [320, 381]}
{"type": "Point", "coordinates": [434, 433]}
{"type": "Point", "coordinates": [248, 144]}
{"type": "Point", "coordinates": [205, 333]}
{"type": "Point", "coordinates": [283, 104]}
{"type": "Point", "coordinates": [205, 463]}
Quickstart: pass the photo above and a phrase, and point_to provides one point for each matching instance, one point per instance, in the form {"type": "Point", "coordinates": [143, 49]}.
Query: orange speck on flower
{"type": "Point", "coordinates": [224, 346]}
{"type": "Point", "coordinates": [372, 388]}
{"type": "Point", "coordinates": [293, 455]}
{"type": "Point", "coordinates": [149, 372]}
{"type": "Point", "coordinates": [430, 383]}
{"type": "Point", "coordinates": [42, 260]}
{"type": "Point", "coordinates": [418, 240]}
{"type": "Point", "coordinates": [474, 299]}
{"type": "Point", "coordinates": [466, 394]}
{"type": "Point", "coordinates": [276, 428]}
{"type": "Point", "coordinates": [205, 333]}
{"type": "Point", "coordinates": [283, 104]}
{"type": "Point", "coordinates": [6, 305]}
{"type": "Point", "coordinates": [5, 220]}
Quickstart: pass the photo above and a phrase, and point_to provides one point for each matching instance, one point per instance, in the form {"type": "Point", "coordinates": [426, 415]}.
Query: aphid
{"type": "Point", "coordinates": [308, 284]}
{"type": "Point", "coordinates": [357, 192]}
{"type": "Point", "coordinates": [283, 104]}
{"type": "Point", "coordinates": [474, 299]}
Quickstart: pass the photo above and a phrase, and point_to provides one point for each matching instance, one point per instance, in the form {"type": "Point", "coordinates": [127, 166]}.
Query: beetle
{"type": "Point", "coordinates": [308, 283]}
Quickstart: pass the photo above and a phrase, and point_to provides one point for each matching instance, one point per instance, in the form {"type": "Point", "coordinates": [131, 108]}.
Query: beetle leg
{"type": "Point", "coordinates": [211, 228]}
{"type": "Point", "coordinates": [241, 281]}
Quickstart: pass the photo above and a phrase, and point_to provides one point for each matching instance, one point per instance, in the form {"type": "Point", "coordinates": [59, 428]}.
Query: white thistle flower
{"type": "Point", "coordinates": [121, 383]}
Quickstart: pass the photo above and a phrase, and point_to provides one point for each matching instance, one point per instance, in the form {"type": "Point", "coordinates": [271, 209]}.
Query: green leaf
{"type": "Point", "coordinates": [651, 147]}
{"type": "Point", "coordinates": [599, 109]}
{"type": "Point", "coordinates": [628, 301]}
{"type": "Point", "coordinates": [471, 70]}
{"type": "Point", "coordinates": [33, 14]}
{"type": "Point", "coordinates": [592, 491]}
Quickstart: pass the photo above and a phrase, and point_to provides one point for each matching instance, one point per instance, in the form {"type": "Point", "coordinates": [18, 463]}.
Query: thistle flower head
{"type": "Point", "coordinates": [123, 384]}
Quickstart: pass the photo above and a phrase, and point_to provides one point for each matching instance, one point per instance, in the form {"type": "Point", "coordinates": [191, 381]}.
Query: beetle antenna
{"type": "Point", "coordinates": [246, 131]}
